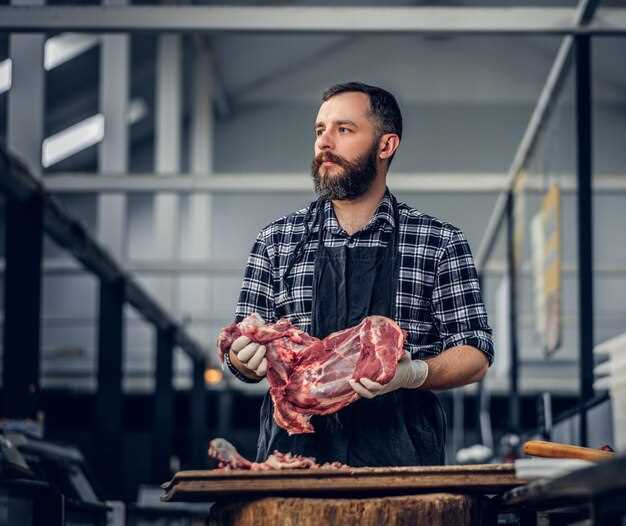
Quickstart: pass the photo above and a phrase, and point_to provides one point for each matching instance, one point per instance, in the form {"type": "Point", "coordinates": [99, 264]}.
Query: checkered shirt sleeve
{"type": "Point", "coordinates": [457, 307]}
{"type": "Point", "coordinates": [256, 293]}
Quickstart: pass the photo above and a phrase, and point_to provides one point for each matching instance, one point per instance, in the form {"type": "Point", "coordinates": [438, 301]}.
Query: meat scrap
{"type": "Point", "coordinates": [309, 376]}
{"type": "Point", "coordinates": [228, 458]}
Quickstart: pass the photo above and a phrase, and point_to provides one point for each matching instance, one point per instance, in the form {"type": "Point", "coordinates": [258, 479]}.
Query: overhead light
{"type": "Point", "coordinates": [213, 376]}
{"type": "Point", "coordinates": [72, 140]}
{"type": "Point", "coordinates": [57, 50]}
{"type": "Point", "coordinates": [61, 48]}
{"type": "Point", "coordinates": [5, 75]}
{"type": "Point", "coordinates": [84, 134]}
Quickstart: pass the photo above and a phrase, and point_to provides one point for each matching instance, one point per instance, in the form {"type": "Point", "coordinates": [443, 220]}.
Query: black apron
{"type": "Point", "coordinates": [403, 428]}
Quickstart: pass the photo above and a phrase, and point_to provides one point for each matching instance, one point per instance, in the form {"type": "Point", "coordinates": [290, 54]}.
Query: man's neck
{"type": "Point", "coordinates": [354, 214]}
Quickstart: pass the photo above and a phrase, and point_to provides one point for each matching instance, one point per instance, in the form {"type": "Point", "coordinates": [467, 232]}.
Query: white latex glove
{"type": "Point", "coordinates": [410, 374]}
{"type": "Point", "coordinates": [251, 354]}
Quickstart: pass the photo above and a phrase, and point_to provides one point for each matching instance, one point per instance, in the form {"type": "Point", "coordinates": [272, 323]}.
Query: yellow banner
{"type": "Point", "coordinates": [551, 215]}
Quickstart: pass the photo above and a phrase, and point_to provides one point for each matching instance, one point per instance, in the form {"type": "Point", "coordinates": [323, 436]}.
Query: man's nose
{"type": "Point", "coordinates": [324, 141]}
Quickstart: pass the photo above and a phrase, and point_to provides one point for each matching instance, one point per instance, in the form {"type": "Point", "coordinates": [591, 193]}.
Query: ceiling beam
{"type": "Point", "coordinates": [234, 267]}
{"type": "Point", "coordinates": [457, 20]}
{"type": "Point", "coordinates": [301, 182]}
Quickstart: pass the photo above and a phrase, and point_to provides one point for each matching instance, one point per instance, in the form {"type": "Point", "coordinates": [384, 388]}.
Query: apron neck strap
{"type": "Point", "coordinates": [320, 219]}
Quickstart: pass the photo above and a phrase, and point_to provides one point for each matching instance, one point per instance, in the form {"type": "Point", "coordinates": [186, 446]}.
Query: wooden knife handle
{"type": "Point", "coordinates": [540, 448]}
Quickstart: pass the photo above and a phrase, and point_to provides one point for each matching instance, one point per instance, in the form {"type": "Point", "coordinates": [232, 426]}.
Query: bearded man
{"type": "Point", "coordinates": [356, 252]}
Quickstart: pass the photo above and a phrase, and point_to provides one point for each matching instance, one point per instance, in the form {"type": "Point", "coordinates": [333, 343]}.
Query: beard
{"type": "Point", "coordinates": [352, 181]}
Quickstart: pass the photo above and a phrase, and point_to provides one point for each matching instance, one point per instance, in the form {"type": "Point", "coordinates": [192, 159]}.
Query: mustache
{"type": "Point", "coordinates": [328, 156]}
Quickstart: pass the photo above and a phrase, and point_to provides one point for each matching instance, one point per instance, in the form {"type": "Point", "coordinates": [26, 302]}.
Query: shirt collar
{"type": "Point", "coordinates": [383, 214]}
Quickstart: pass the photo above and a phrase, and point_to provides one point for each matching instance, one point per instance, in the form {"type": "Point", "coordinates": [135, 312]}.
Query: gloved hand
{"type": "Point", "coordinates": [250, 354]}
{"type": "Point", "coordinates": [410, 374]}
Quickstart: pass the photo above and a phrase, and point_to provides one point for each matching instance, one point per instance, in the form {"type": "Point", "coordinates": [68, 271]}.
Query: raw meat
{"type": "Point", "coordinates": [309, 376]}
{"type": "Point", "coordinates": [229, 458]}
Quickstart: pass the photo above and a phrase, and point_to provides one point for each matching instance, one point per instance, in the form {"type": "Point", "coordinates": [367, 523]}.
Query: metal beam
{"type": "Point", "coordinates": [197, 411]}
{"type": "Point", "coordinates": [219, 266]}
{"type": "Point", "coordinates": [58, 266]}
{"type": "Point", "coordinates": [163, 407]}
{"type": "Point", "coordinates": [512, 259]}
{"type": "Point", "coordinates": [113, 150]}
{"type": "Point", "coordinates": [584, 171]}
{"type": "Point", "coordinates": [22, 308]}
{"type": "Point", "coordinates": [26, 99]}
{"type": "Point", "coordinates": [168, 133]}
{"type": "Point", "coordinates": [109, 396]}
{"type": "Point", "coordinates": [262, 182]}
{"type": "Point", "coordinates": [196, 235]}
{"type": "Point", "coordinates": [19, 185]}
{"type": "Point", "coordinates": [301, 182]}
{"type": "Point", "coordinates": [457, 20]}
{"type": "Point", "coordinates": [213, 267]}
{"type": "Point", "coordinates": [547, 100]}
{"type": "Point", "coordinates": [541, 113]}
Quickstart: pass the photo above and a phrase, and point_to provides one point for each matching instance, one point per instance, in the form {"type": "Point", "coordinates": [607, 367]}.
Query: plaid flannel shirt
{"type": "Point", "coordinates": [438, 300]}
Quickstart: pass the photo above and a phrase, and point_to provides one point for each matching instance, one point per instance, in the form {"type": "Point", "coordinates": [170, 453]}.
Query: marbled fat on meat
{"type": "Point", "coordinates": [309, 376]}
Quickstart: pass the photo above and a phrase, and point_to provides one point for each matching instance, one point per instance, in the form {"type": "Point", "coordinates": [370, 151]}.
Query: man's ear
{"type": "Point", "coordinates": [387, 145]}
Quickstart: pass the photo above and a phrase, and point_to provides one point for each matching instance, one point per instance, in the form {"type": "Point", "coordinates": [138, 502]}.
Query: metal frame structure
{"type": "Point", "coordinates": [577, 46]}
{"type": "Point", "coordinates": [22, 328]}
{"type": "Point", "coordinates": [29, 203]}
{"type": "Point", "coordinates": [457, 20]}
{"type": "Point", "coordinates": [514, 398]}
{"type": "Point", "coordinates": [68, 233]}
{"type": "Point", "coordinates": [584, 195]}
{"type": "Point", "coordinates": [554, 82]}
{"type": "Point", "coordinates": [118, 288]}
{"type": "Point", "coordinates": [296, 182]}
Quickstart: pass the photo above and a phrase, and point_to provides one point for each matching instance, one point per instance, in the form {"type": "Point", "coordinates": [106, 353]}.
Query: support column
{"type": "Point", "coordinates": [113, 150]}
{"type": "Point", "coordinates": [162, 421]}
{"type": "Point", "coordinates": [199, 227]}
{"type": "Point", "coordinates": [109, 456]}
{"type": "Point", "coordinates": [22, 309]}
{"type": "Point", "coordinates": [584, 196]}
{"type": "Point", "coordinates": [24, 229]}
{"type": "Point", "coordinates": [201, 154]}
{"type": "Point", "coordinates": [168, 131]}
{"type": "Point", "coordinates": [112, 227]}
{"type": "Point", "coordinates": [26, 99]}
{"type": "Point", "coordinates": [514, 403]}
{"type": "Point", "coordinates": [197, 410]}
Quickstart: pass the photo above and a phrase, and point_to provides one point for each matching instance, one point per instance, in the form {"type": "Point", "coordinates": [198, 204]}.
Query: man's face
{"type": "Point", "coordinates": [346, 147]}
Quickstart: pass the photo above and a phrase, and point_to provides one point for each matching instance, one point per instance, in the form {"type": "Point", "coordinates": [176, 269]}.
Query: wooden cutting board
{"type": "Point", "coordinates": [209, 485]}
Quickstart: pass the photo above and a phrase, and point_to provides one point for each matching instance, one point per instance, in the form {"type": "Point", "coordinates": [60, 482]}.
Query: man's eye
{"type": "Point", "coordinates": [344, 130]}
{"type": "Point", "coordinates": [318, 132]}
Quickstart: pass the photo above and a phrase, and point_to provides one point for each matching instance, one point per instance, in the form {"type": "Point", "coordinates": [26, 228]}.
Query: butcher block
{"type": "Point", "coordinates": [213, 485]}
{"type": "Point", "coordinates": [434, 509]}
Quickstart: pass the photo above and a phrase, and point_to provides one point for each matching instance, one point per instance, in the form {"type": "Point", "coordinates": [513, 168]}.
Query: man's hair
{"type": "Point", "coordinates": [383, 106]}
